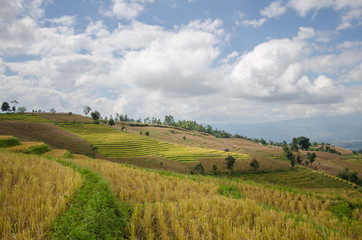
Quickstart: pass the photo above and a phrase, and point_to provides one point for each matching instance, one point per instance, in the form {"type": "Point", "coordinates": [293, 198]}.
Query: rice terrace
{"type": "Point", "coordinates": [130, 180]}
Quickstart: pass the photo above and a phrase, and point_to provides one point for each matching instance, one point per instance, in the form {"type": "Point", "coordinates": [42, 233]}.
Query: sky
{"type": "Point", "coordinates": [212, 61]}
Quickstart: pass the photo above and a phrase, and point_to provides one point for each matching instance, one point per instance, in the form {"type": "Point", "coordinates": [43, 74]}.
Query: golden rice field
{"type": "Point", "coordinates": [170, 207]}
{"type": "Point", "coordinates": [56, 153]}
{"type": "Point", "coordinates": [33, 191]}
{"type": "Point", "coordinates": [118, 144]}
{"type": "Point", "coordinates": [24, 146]}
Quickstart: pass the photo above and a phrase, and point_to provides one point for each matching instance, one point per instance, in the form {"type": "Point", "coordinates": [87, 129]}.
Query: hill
{"type": "Point", "coordinates": [38, 127]}
{"type": "Point", "coordinates": [165, 148]}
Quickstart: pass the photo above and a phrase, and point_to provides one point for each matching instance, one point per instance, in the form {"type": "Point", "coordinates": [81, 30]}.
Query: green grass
{"type": "Point", "coordinates": [230, 191]}
{"type": "Point", "coordinates": [95, 212]}
{"type": "Point", "coordinates": [117, 144]}
{"type": "Point", "coordinates": [22, 117]}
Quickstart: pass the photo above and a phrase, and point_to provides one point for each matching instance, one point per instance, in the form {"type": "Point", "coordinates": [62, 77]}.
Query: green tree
{"type": "Point", "coordinates": [254, 164]}
{"type": "Point", "coordinates": [5, 107]}
{"type": "Point", "coordinates": [95, 115]}
{"type": "Point", "coordinates": [299, 158]}
{"type": "Point", "coordinates": [303, 142]}
{"type": "Point", "coordinates": [14, 102]}
{"type": "Point", "coordinates": [294, 146]}
{"type": "Point", "coordinates": [147, 133]}
{"type": "Point", "coordinates": [311, 157]}
{"type": "Point", "coordinates": [111, 122]}
{"type": "Point", "coordinates": [52, 110]}
{"type": "Point", "coordinates": [230, 160]}
{"type": "Point", "coordinates": [21, 109]}
{"type": "Point", "coordinates": [198, 169]}
{"type": "Point", "coordinates": [169, 120]}
{"type": "Point", "coordinates": [86, 110]}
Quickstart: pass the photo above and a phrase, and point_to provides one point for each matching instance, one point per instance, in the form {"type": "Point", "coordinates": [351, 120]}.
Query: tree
{"type": "Point", "coordinates": [198, 169]}
{"type": "Point", "coordinates": [299, 158]}
{"type": "Point", "coordinates": [169, 120]}
{"type": "Point", "coordinates": [111, 122]}
{"type": "Point", "coordinates": [21, 109]}
{"type": "Point", "coordinates": [147, 133]}
{"type": "Point", "coordinates": [52, 110]}
{"type": "Point", "coordinates": [95, 115]}
{"type": "Point", "coordinates": [311, 157]}
{"type": "Point", "coordinates": [254, 164]}
{"type": "Point", "coordinates": [303, 142]}
{"type": "Point", "coordinates": [5, 107]}
{"type": "Point", "coordinates": [294, 146]}
{"type": "Point", "coordinates": [14, 102]}
{"type": "Point", "coordinates": [292, 162]}
{"type": "Point", "coordinates": [86, 110]}
{"type": "Point", "coordinates": [230, 160]}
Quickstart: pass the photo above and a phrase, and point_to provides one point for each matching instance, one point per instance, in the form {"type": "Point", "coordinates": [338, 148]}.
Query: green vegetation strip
{"type": "Point", "coordinates": [9, 142]}
{"type": "Point", "coordinates": [39, 150]}
{"type": "Point", "coordinates": [94, 213]}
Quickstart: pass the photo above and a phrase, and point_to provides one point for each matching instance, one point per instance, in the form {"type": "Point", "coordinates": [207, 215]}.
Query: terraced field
{"type": "Point", "coordinates": [118, 144]}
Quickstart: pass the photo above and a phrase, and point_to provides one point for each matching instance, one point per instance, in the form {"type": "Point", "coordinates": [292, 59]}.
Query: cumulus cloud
{"type": "Point", "coordinates": [275, 9]}
{"type": "Point", "coordinates": [275, 71]}
{"type": "Point", "coordinates": [142, 69]}
{"type": "Point", "coordinates": [126, 9]}
{"type": "Point", "coordinates": [178, 64]}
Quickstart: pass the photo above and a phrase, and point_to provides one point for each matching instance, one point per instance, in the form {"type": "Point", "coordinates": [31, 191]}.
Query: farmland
{"type": "Point", "coordinates": [179, 207]}
{"type": "Point", "coordinates": [117, 144]}
{"type": "Point", "coordinates": [33, 191]}
{"type": "Point", "coordinates": [103, 198]}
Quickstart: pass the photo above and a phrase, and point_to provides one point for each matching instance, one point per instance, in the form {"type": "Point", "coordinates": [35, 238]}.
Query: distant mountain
{"type": "Point", "coordinates": [344, 131]}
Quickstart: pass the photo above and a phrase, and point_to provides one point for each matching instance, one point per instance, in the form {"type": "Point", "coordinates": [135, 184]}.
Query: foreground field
{"type": "Point", "coordinates": [33, 191]}
{"type": "Point", "coordinates": [180, 207]}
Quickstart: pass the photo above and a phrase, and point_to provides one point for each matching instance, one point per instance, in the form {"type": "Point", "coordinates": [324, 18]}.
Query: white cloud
{"type": "Point", "coordinates": [143, 69]}
{"type": "Point", "coordinates": [63, 20]}
{"type": "Point", "coordinates": [254, 23]}
{"type": "Point", "coordinates": [349, 16]}
{"type": "Point", "coordinates": [275, 71]}
{"type": "Point", "coordinates": [306, 32]}
{"type": "Point", "coordinates": [126, 9]}
{"type": "Point", "coordinates": [9, 9]}
{"type": "Point", "coordinates": [275, 9]}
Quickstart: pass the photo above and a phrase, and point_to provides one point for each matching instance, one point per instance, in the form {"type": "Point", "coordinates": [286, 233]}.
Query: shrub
{"type": "Point", "coordinates": [184, 137]}
{"type": "Point", "coordinates": [38, 149]}
{"type": "Point", "coordinates": [198, 169]}
{"type": "Point", "coordinates": [9, 142]}
{"type": "Point", "coordinates": [147, 133]}
{"type": "Point", "coordinates": [254, 164]}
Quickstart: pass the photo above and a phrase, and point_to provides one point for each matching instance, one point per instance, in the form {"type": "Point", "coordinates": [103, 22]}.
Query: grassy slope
{"type": "Point", "coordinates": [45, 132]}
{"type": "Point", "coordinates": [118, 144]}
{"type": "Point", "coordinates": [268, 156]}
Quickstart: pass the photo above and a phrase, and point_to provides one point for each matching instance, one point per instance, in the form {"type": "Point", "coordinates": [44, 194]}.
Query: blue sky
{"type": "Point", "coordinates": [216, 62]}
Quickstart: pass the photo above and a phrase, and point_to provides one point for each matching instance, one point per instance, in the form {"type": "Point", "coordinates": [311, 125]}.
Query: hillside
{"type": "Point", "coordinates": [117, 201]}
{"type": "Point", "coordinates": [165, 148]}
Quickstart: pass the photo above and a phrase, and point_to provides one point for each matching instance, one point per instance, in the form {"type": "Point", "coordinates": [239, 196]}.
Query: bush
{"type": "Point", "coordinates": [9, 142]}
{"type": "Point", "coordinates": [198, 169]}
{"type": "Point", "coordinates": [147, 133]}
{"type": "Point", "coordinates": [349, 176]}
{"type": "Point", "coordinates": [254, 164]}
{"type": "Point", "coordinates": [38, 149]}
